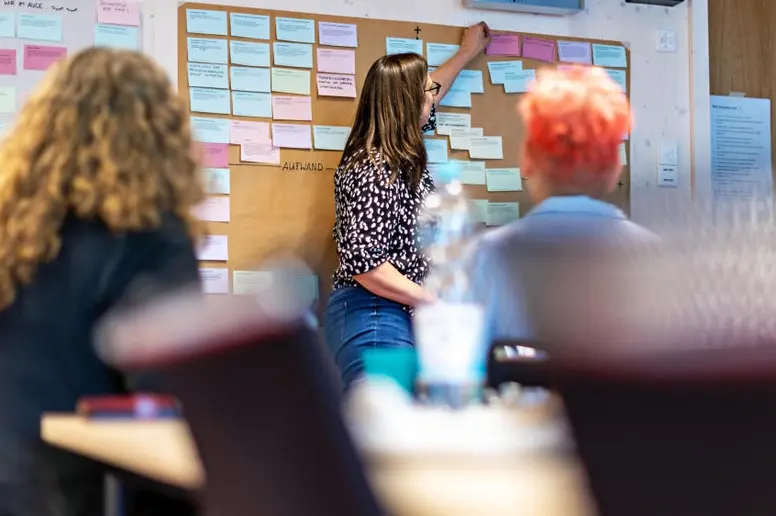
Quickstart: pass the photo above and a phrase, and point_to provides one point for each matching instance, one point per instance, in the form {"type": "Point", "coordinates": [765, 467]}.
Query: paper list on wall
{"type": "Point", "coordinates": [249, 53]}
{"type": "Point", "coordinates": [210, 130]}
{"type": "Point", "coordinates": [446, 122]}
{"type": "Point", "coordinates": [292, 136]}
{"type": "Point", "coordinates": [214, 155]}
{"type": "Point", "coordinates": [41, 27]}
{"type": "Point", "coordinates": [472, 172]}
{"type": "Point", "coordinates": [116, 36]}
{"type": "Point", "coordinates": [213, 209]}
{"type": "Point", "coordinates": [254, 26]}
{"type": "Point", "coordinates": [296, 55]}
{"type": "Point", "coordinates": [206, 75]}
{"type": "Point", "coordinates": [619, 77]}
{"type": "Point", "coordinates": [459, 138]}
{"type": "Point", "coordinates": [286, 107]}
{"type": "Point", "coordinates": [214, 281]}
{"type": "Point", "coordinates": [287, 80]}
{"type": "Point", "coordinates": [485, 147]}
{"type": "Point", "coordinates": [336, 85]}
{"type": "Point", "coordinates": [7, 25]}
{"type": "Point", "coordinates": [202, 21]}
{"type": "Point", "coordinates": [338, 34]}
{"type": "Point", "coordinates": [479, 209]}
{"type": "Point", "coordinates": [519, 82]}
{"type": "Point", "coordinates": [246, 283]}
{"type": "Point", "coordinates": [244, 131]}
{"type": "Point", "coordinates": [403, 46]}
{"type": "Point", "coordinates": [39, 57]}
{"type": "Point", "coordinates": [457, 98]}
{"type": "Point", "coordinates": [469, 80]}
{"type": "Point", "coordinates": [613, 56]}
{"type": "Point", "coordinates": [7, 99]}
{"type": "Point", "coordinates": [119, 12]}
{"type": "Point", "coordinates": [251, 103]}
{"type": "Point", "coordinates": [504, 45]}
{"type": "Point", "coordinates": [209, 100]}
{"type": "Point", "coordinates": [8, 64]}
{"type": "Point", "coordinates": [575, 52]}
{"type": "Point", "coordinates": [436, 149]}
{"type": "Point", "coordinates": [539, 49]}
{"type": "Point", "coordinates": [246, 78]}
{"type": "Point", "coordinates": [499, 69]}
{"type": "Point", "coordinates": [299, 30]}
{"type": "Point", "coordinates": [208, 50]}
{"type": "Point", "coordinates": [330, 137]}
{"type": "Point", "coordinates": [260, 152]}
{"type": "Point", "coordinates": [336, 61]}
{"type": "Point", "coordinates": [438, 53]}
{"type": "Point", "coordinates": [501, 213]}
{"type": "Point", "coordinates": [217, 180]}
{"type": "Point", "coordinates": [213, 248]}
{"type": "Point", "coordinates": [503, 179]}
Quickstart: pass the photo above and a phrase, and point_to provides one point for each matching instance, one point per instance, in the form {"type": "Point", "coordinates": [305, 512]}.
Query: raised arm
{"type": "Point", "coordinates": [474, 41]}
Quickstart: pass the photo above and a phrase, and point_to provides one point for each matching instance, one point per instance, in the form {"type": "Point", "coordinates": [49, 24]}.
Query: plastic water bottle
{"type": "Point", "coordinates": [448, 331]}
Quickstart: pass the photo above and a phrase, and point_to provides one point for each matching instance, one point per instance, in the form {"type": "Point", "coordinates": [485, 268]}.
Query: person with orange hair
{"type": "Point", "coordinates": [575, 119]}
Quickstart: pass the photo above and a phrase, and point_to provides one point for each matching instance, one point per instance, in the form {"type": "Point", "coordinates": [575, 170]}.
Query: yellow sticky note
{"type": "Point", "coordinates": [285, 80]}
{"type": "Point", "coordinates": [7, 99]}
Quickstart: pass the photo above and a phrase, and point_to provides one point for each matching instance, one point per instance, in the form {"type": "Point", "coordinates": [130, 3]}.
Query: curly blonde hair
{"type": "Point", "coordinates": [104, 137]}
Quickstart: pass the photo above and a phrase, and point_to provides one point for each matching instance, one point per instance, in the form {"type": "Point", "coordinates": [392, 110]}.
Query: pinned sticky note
{"type": "Point", "coordinates": [459, 138]}
{"type": "Point", "coordinates": [539, 49]}
{"type": "Point", "coordinates": [469, 80]}
{"type": "Point", "coordinates": [472, 172]}
{"type": "Point", "coordinates": [247, 78]}
{"type": "Point", "coordinates": [332, 60]}
{"type": "Point", "coordinates": [251, 103]}
{"type": "Point", "coordinates": [485, 147]}
{"type": "Point", "coordinates": [503, 180]}
{"type": "Point", "coordinates": [330, 137]}
{"type": "Point", "coordinates": [403, 46]}
{"type": "Point", "coordinates": [501, 213]}
{"type": "Point", "coordinates": [41, 27]}
{"type": "Point", "coordinates": [292, 136]}
{"type": "Point", "coordinates": [8, 61]}
{"type": "Point", "coordinates": [119, 12]}
{"type": "Point", "coordinates": [457, 98]}
{"type": "Point", "coordinates": [436, 149]}
{"type": "Point", "coordinates": [213, 209]}
{"type": "Point", "coordinates": [438, 53]}
{"type": "Point", "coordinates": [613, 56]}
{"type": "Point", "coordinates": [499, 69]}
{"type": "Point", "coordinates": [202, 21]}
{"type": "Point", "coordinates": [446, 122]}
{"type": "Point", "coordinates": [116, 36]}
{"type": "Point", "coordinates": [575, 52]}
{"type": "Point", "coordinates": [7, 99]}
{"type": "Point", "coordinates": [209, 100]}
{"type": "Point", "coordinates": [213, 248]}
{"type": "Point", "coordinates": [296, 55]}
{"type": "Point", "coordinates": [210, 130]}
{"type": "Point", "coordinates": [287, 107]}
{"type": "Point", "coordinates": [338, 34]}
{"type": "Point", "coordinates": [38, 57]}
{"type": "Point", "coordinates": [248, 53]}
{"type": "Point", "coordinates": [214, 281]}
{"type": "Point", "coordinates": [7, 25]}
{"type": "Point", "coordinates": [619, 77]}
{"type": "Point", "coordinates": [259, 152]}
{"type": "Point", "coordinates": [215, 155]}
{"type": "Point", "coordinates": [336, 85]}
{"type": "Point", "coordinates": [519, 82]}
{"type": "Point", "coordinates": [255, 26]}
{"type": "Point", "coordinates": [206, 75]}
{"type": "Point", "coordinates": [286, 80]}
{"type": "Point", "coordinates": [209, 50]}
{"type": "Point", "coordinates": [504, 45]}
{"type": "Point", "coordinates": [243, 131]}
{"type": "Point", "coordinates": [295, 29]}
{"type": "Point", "coordinates": [217, 180]}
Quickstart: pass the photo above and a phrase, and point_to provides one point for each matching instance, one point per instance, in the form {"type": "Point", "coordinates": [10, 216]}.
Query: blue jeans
{"type": "Point", "coordinates": [356, 319]}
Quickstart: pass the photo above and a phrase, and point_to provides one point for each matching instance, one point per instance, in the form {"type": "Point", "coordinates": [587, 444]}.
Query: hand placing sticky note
{"type": "Point", "coordinates": [503, 179]}
{"type": "Point", "coordinates": [287, 107]}
{"type": "Point", "coordinates": [436, 149]}
{"type": "Point", "coordinates": [485, 147]}
{"type": "Point", "coordinates": [336, 85]}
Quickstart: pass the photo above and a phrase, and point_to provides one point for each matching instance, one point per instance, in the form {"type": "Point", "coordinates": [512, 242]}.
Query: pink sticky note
{"type": "Point", "coordinates": [287, 107]}
{"type": "Point", "coordinates": [213, 209]}
{"type": "Point", "coordinates": [214, 281]}
{"type": "Point", "coordinates": [215, 155]}
{"type": "Point", "coordinates": [242, 131]}
{"type": "Point", "coordinates": [336, 61]}
{"type": "Point", "coordinates": [260, 152]}
{"type": "Point", "coordinates": [292, 136]}
{"type": "Point", "coordinates": [539, 49]}
{"type": "Point", "coordinates": [331, 85]}
{"type": "Point", "coordinates": [7, 61]}
{"type": "Point", "coordinates": [504, 45]}
{"type": "Point", "coordinates": [118, 12]}
{"type": "Point", "coordinates": [213, 248]}
{"type": "Point", "coordinates": [40, 57]}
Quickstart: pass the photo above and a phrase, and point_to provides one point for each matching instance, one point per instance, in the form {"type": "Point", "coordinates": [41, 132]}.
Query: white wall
{"type": "Point", "coordinates": [663, 88]}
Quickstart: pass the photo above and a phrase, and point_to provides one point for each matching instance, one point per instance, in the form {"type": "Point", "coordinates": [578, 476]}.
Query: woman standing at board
{"type": "Point", "coordinates": [379, 187]}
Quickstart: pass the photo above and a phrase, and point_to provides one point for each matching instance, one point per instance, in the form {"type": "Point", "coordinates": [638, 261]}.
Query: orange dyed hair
{"type": "Point", "coordinates": [575, 119]}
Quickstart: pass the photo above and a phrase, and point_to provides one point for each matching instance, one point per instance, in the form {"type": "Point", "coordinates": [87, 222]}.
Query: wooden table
{"type": "Point", "coordinates": [534, 485]}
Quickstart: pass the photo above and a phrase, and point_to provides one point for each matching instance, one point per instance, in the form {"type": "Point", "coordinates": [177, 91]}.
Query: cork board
{"type": "Point", "coordinates": [287, 209]}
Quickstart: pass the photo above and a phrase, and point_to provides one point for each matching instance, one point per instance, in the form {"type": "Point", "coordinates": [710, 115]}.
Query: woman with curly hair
{"type": "Point", "coordinates": [97, 186]}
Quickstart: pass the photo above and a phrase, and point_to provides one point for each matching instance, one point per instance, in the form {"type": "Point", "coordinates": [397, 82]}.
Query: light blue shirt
{"type": "Point", "coordinates": [495, 281]}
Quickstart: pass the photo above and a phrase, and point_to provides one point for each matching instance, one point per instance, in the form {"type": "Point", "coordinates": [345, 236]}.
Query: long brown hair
{"type": "Point", "coordinates": [103, 137]}
{"type": "Point", "coordinates": [387, 124]}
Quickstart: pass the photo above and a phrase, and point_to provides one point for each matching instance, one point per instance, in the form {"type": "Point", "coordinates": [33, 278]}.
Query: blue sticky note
{"type": "Point", "coordinates": [469, 80]}
{"type": "Point", "coordinates": [403, 46]}
{"type": "Point", "coordinates": [42, 27]}
{"type": "Point", "coordinates": [300, 30]}
{"type": "Point", "coordinates": [7, 25]}
{"type": "Point", "coordinates": [438, 53]}
{"type": "Point", "coordinates": [207, 50]}
{"type": "Point", "coordinates": [499, 69]}
{"type": "Point", "coordinates": [255, 26]}
{"type": "Point", "coordinates": [205, 75]}
{"type": "Point", "coordinates": [619, 77]}
{"type": "Point", "coordinates": [457, 98]}
{"type": "Point", "coordinates": [436, 149]}
{"type": "Point", "coordinates": [610, 55]}
{"type": "Point", "coordinates": [249, 103]}
{"type": "Point", "coordinates": [116, 36]}
{"type": "Point", "coordinates": [519, 82]}
{"type": "Point", "coordinates": [295, 55]}
{"type": "Point", "coordinates": [247, 53]}
{"type": "Point", "coordinates": [210, 130]}
{"type": "Point", "coordinates": [245, 78]}
{"type": "Point", "coordinates": [209, 100]}
{"type": "Point", "coordinates": [201, 21]}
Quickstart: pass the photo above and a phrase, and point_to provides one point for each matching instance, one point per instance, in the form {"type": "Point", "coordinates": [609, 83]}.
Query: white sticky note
{"type": "Point", "coordinates": [296, 55]}
{"type": "Point", "coordinates": [201, 21]}
{"type": "Point", "coordinates": [446, 122]}
{"type": "Point", "coordinates": [485, 147]}
{"type": "Point", "coordinates": [403, 46]}
{"type": "Point", "coordinates": [292, 136]}
{"type": "Point", "coordinates": [213, 248]}
{"type": "Point", "coordinates": [479, 208]}
{"type": "Point", "coordinates": [209, 100]}
{"type": "Point", "coordinates": [286, 80]}
{"type": "Point", "coordinates": [469, 80]}
{"type": "Point", "coordinates": [251, 103]}
{"type": "Point", "coordinates": [436, 149]}
{"type": "Point", "coordinates": [519, 82]}
{"type": "Point", "coordinates": [209, 50]}
{"type": "Point", "coordinates": [41, 27]}
{"type": "Point", "coordinates": [457, 98]}
{"type": "Point", "coordinates": [472, 172]}
{"type": "Point", "coordinates": [501, 213]}
{"type": "Point", "coordinates": [499, 69]}
{"type": "Point", "coordinates": [250, 283]}
{"type": "Point", "coordinates": [7, 25]}
{"type": "Point", "coordinates": [438, 53]}
{"type": "Point", "coordinates": [213, 209]}
{"type": "Point", "coordinates": [210, 130]}
{"type": "Point", "coordinates": [300, 30]}
{"type": "Point", "coordinates": [249, 53]}
{"type": "Point", "coordinates": [459, 138]}
{"type": "Point", "coordinates": [254, 26]}
{"type": "Point", "coordinates": [7, 99]}
{"type": "Point", "coordinates": [206, 75]}
{"type": "Point", "coordinates": [116, 36]}
{"type": "Point", "coordinates": [246, 78]}
{"type": "Point", "coordinates": [217, 180]}
{"type": "Point", "coordinates": [624, 156]}
{"type": "Point", "coordinates": [619, 77]}
{"type": "Point", "coordinates": [214, 281]}
{"type": "Point", "coordinates": [503, 179]}
{"type": "Point", "coordinates": [330, 137]}
{"type": "Point", "coordinates": [610, 55]}
{"type": "Point", "coordinates": [338, 34]}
